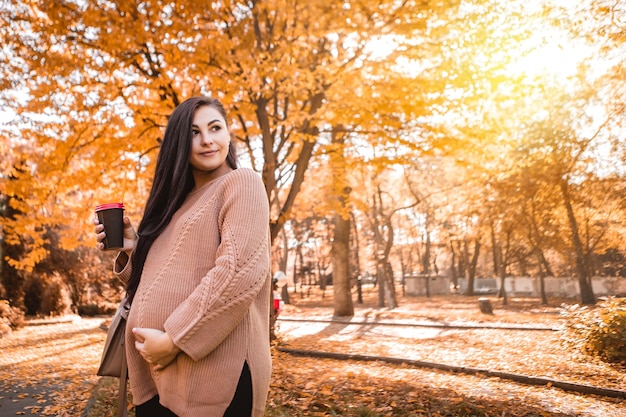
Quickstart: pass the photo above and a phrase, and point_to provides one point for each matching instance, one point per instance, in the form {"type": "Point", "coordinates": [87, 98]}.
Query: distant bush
{"type": "Point", "coordinates": [53, 302]}
{"type": "Point", "coordinates": [34, 287]}
{"type": "Point", "coordinates": [43, 296]}
{"type": "Point", "coordinates": [598, 330]}
{"type": "Point", "coordinates": [90, 310]}
{"type": "Point", "coordinates": [11, 318]}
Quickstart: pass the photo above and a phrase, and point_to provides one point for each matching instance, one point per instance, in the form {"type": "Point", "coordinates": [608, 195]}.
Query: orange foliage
{"type": "Point", "coordinates": [101, 79]}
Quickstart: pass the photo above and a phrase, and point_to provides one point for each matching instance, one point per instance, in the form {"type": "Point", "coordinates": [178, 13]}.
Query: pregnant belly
{"type": "Point", "coordinates": [153, 305]}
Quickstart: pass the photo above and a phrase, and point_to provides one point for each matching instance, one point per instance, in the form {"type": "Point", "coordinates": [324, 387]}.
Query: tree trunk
{"type": "Point", "coordinates": [294, 276]}
{"type": "Point", "coordinates": [270, 166]}
{"type": "Point", "coordinates": [403, 270]}
{"type": "Point", "coordinates": [498, 270]}
{"type": "Point", "coordinates": [474, 263]}
{"type": "Point", "coordinates": [321, 277]}
{"type": "Point", "coordinates": [502, 274]}
{"type": "Point", "coordinates": [545, 264]}
{"type": "Point", "coordinates": [542, 287]}
{"type": "Point", "coordinates": [392, 301]}
{"type": "Point", "coordinates": [542, 275]}
{"type": "Point", "coordinates": [586, 291]}
{"type": "Point", "coordinates": [471, 265]}
{"type": "Point", "coordinates": [381, 281]}
{"type": "Point", "coordinates": [384, 236]}
{"type": "Point", "coordinates": [427, 253]}
{"type": "Point", "coordinates": [380, 252]}
{"type": "Point", "coordinates": [11, 279]}
{"type": "Point", "coordinates": [298, 265]}
{"type": "Point", "coordinates": [342, 297]}
{"type": "Point", "coordinates": [390, 293]}
{"type": "Point", "coordinates": [285, 252]}
{"type": "Point", "coordinates": [270, 161]}
{"type": "Point", "coordinates": [454, 275]}
{"type": "Point", "coordinates": [343, 306]}
{"type": "Point", "coordinates": [502, 258]}
{"type": "Point", "coordinates": [282, 265]}
{"type": "Point", "coordinates": [494, 249]}
{"type": "Point", "coordinates": [384, 273]}
{"type": "Point", "coordinates": [462, 262]}
{"type": "Point", "coordinates": [354, 237]}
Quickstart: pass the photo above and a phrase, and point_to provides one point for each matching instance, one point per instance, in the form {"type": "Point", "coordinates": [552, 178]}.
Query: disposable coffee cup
{"type": "Point", "coordinates": [111, 215]}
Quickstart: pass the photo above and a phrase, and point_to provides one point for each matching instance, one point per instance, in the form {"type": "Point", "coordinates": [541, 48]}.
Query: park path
{"type": "Point", "coordinates": [49, 369]}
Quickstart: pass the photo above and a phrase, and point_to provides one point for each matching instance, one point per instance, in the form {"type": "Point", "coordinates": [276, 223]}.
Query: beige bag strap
{"type": "Point", "coordinates": [122, 400]}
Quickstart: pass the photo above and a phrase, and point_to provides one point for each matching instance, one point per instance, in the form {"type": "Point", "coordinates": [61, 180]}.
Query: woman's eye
{"type": "Point", "coordinates": [194, 132]}
{"type": "Point", "coordinates": [215, 128]}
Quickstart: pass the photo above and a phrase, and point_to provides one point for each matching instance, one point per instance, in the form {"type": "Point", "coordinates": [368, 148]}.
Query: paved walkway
{"type": "Point", "coordinates": [48, 369]}
{"type": "Point", "coordinates": [28, 400]}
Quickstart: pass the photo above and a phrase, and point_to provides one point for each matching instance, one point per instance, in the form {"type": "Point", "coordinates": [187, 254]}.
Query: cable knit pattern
{"type": "Point", "coordinates": [206, 281]}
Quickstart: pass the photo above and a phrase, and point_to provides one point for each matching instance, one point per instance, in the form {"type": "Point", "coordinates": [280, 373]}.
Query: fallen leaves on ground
{"type": "Point", "coordinates": [51, 368]}
{"type": "Point", "coordinates": [346, 387]}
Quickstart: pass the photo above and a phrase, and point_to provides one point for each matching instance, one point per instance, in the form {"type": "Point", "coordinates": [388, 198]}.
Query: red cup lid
{"type": "Point", "coordinates": [109, 206]}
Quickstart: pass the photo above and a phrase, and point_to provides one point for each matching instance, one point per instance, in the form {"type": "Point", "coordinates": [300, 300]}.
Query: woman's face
{"type": "Point", "coordinates": [209, 145]}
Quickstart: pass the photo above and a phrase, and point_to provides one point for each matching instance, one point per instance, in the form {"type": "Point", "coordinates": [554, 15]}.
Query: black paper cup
{"type": "Point", "coordinates": [111, 215]}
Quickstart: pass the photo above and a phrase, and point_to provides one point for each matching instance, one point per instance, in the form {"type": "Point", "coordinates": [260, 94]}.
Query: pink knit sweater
{"type": "Point", "coordinates": [206, 281]}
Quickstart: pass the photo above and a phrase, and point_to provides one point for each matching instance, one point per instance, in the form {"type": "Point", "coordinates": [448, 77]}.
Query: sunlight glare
{"type": "Point", "coordinates": [549, 56]}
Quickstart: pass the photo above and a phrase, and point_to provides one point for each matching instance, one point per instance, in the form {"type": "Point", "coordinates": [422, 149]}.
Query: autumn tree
{"type": "Point", "coordinates": [379, 205]}
{"type": "Point", "coordinates": [90, 85]}
{"type": "Point", "coordinates": [104, 77]}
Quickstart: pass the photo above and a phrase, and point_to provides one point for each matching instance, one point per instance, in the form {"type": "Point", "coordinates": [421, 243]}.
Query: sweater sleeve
{"type": "Point", "coordinates": [122, 267]}
{"type": "Point", "coordinates": [223, 297]}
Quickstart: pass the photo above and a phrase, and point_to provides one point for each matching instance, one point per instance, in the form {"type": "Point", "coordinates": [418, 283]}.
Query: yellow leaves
{"type": "Point", "coordinates": [457, 400]}
{"type": "Point", "coordinates": [68, 240]}
{"type": "Point", "coordinates": [25, 230]}
{"type": "Point", "coordinates": [325, 390]}
{"type": "Point", "coordinates": [30, 260]}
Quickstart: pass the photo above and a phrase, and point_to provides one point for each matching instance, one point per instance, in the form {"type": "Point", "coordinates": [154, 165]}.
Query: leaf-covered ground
{"type": "Point", "coordinates": [406, 391]}
{"type": "Point", "coordinates": [50, 369]}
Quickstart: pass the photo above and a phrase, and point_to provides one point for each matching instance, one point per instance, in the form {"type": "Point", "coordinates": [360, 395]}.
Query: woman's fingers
{"type": "Point", "coordinates": [100, 235]}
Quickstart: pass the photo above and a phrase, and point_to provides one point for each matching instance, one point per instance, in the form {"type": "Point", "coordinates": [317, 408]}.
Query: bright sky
{"type": "Point", "coordinates": [558, 58]}
{"type": "Point", "coordinates": [6, 116]}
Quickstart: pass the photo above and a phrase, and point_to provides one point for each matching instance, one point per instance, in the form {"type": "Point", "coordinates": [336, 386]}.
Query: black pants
{"type": "Point", "coordinates": [153, 408]}
{"type": "Point", "coordinates": [240, 406]}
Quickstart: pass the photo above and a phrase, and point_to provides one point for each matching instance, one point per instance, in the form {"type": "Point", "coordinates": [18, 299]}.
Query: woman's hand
{"type": "Point", "coordinates": [130, 236]}
{"type": "Point", "coordinates": [155, 346]}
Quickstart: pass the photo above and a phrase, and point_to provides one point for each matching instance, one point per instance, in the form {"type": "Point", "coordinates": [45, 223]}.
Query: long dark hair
{"type": "Point", "coordinates": [173, 180]}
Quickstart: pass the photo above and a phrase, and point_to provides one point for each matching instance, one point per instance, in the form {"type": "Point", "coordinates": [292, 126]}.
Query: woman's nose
{"type": "Point", "coordinates": [205, 138]}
